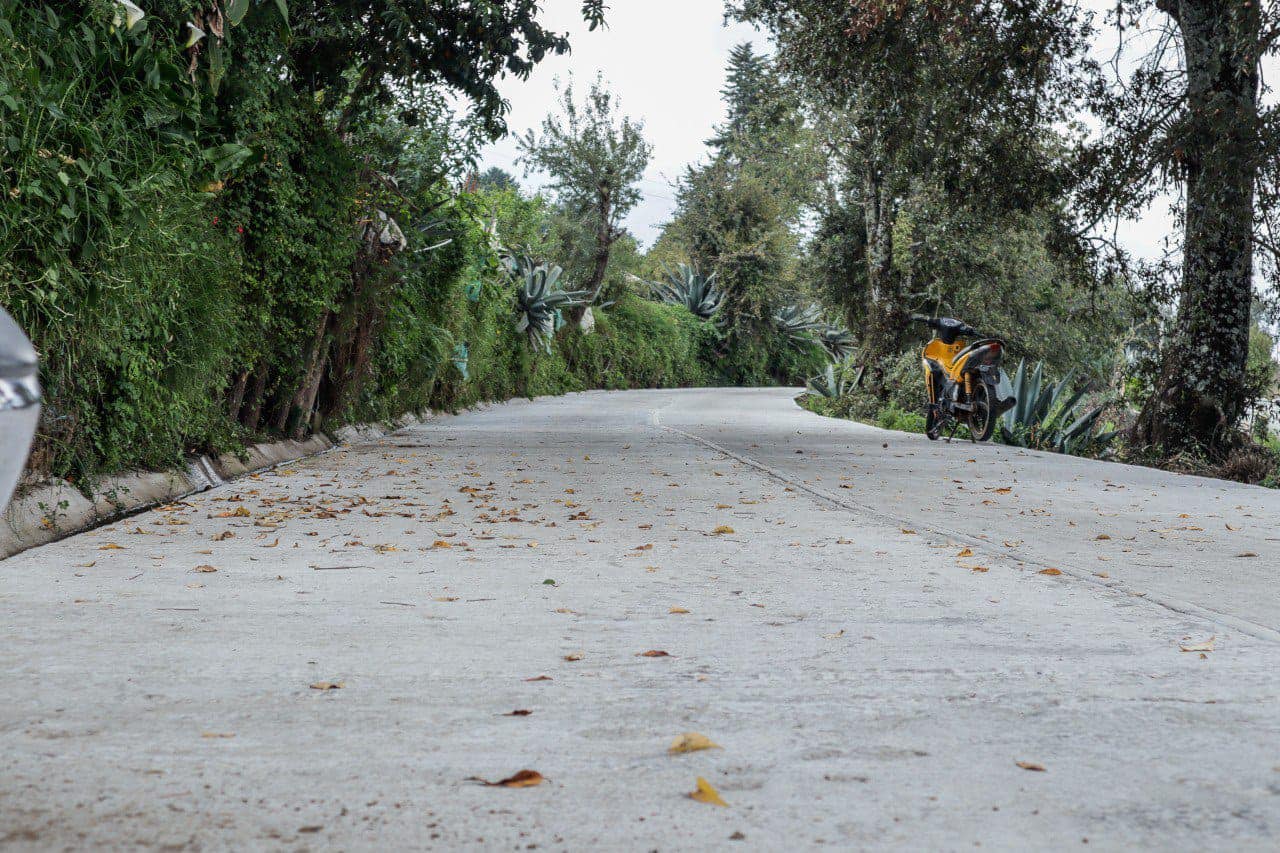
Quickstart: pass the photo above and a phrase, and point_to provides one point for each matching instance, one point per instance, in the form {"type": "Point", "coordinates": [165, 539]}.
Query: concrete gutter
{"type": "Point", "coordinates": [56, 509]}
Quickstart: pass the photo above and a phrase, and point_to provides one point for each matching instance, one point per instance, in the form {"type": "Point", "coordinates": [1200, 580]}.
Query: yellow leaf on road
{"type": "Point", "coordinates": [111, 546]}
{"type": "Point", "coordinates": [691, 742]}
{"type": "Point", "coordinates": [966, 552]}
{"type": "Point", "coordinates": [707, 794]}
{"type": "Point", "coordinates": [722, 530]}
{"type": "Point", "coordinates": [328, 685]}
{"type": "Point", "coordinates": [678, 610]}
{"type": "Point", "coordinates": [1050, 572]}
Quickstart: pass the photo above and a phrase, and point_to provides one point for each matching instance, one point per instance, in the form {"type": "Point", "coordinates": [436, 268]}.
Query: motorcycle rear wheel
{"type": "Point", "coordinates": [982, 420]}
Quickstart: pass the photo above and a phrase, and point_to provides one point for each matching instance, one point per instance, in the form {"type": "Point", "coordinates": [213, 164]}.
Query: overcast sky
{"type": "Point", "coordinates": [666, 60]}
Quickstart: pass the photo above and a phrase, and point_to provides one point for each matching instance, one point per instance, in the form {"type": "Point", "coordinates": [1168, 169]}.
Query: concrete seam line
{"type": "Point", "coordinates": [1244, 626]}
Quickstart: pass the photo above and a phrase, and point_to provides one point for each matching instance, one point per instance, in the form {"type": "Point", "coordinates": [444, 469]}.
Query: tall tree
{"type": "Point", "coordinates": [595, 157]}
{"type": "Point", "coordinates": [1190, 118]}
{"type": "Point", "coordinates": [948, 93]}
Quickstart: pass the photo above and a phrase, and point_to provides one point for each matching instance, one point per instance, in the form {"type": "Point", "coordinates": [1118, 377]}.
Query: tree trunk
{"type": "Point", "coordinates": [886, 319]}
{"type": "Point", "coordinates": [1202, 388]}
{"type": "Point", "coordinates": [604, 242]}
{"type": "Point", "coordinates": [253, 406]}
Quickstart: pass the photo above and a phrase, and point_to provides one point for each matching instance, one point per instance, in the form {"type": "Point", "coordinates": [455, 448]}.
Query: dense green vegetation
{"type": "Point", "coordinates": [226, 220]}
{"type": "Point", "coordinates": [223, 220]}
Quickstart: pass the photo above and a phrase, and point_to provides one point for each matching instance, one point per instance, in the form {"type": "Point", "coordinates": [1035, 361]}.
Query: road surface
{"type": "Point", "coordinates": [885, 636]}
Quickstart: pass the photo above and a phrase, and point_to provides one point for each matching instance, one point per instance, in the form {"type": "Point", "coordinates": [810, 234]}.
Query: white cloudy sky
{"type": "Point", "coordinates": [666, 60]}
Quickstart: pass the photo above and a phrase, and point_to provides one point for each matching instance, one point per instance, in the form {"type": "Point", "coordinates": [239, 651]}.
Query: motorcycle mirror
{"type": "Point", "coordinates": [19, 403]}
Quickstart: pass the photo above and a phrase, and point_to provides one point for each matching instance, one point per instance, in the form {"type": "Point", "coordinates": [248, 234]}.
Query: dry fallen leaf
{"type": "Point", "coordinates": [539, 678]}
{"type": "Point", "coordinates": [692, 742]}
{"type": "Point", "coordinates": [706, 794]}
{"type": "Point", "coordinates": [1204, 646]}
{"type": "Point", "coordinates": [908, 532]}
{"type": "Point", "coordinates": [328, 685]}
{"type": "Point", "coordinates": [523, 779]}
{"type": "Point", "coordinates": [653, 653]}
{"type": "Point", "coordinates": [966, 552]}
{"type": "Point", "coordinates": [1246, 554]}
{"type": "Point", "coordinates": [216, 734]}
{"type": "Point", "coordinates": [678, 610]}
{"type": "Point", "coordinates": [837, 635]}
{"type": "Point", "coordinates": [722, 530]}
{"type": "Point", "coordinates": [111, 546]}
{"type": "Point", "coordinates": [205, 569]}
{"type": "Point", "coordinates": [1003, 491]}
{"type": "Point", "coordinates": [1031, 765]}
{"type": "Point", "coordinates": [1101, 537]}
{"type": "Point", "coordinates": [223, 536]}
{"type": "Point", "coordinates": [573, 656]}
{"type": "Point", "coordinates": [1050, 572]}
{"type": "Point", "coordinates": [519, 712]}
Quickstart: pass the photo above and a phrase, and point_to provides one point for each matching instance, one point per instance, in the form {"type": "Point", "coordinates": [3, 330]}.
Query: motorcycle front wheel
{"type": "Point", "coordinates": [982, 420]}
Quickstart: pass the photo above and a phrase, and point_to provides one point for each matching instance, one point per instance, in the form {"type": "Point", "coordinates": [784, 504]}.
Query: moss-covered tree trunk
{"type": "Point", "coordinates": [886, 316]}
{"type": "Point", "coordinates": [1202, 388]}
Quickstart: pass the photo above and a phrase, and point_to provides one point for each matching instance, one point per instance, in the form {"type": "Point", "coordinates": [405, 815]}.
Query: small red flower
{"type": "Point", "coordinates": [239, 229]}
{"type": "Point", "coordinates": [215, 220]}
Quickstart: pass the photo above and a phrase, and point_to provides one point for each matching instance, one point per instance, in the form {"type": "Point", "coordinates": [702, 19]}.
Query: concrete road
{"type": "Point", "coordinates": [886, 637]}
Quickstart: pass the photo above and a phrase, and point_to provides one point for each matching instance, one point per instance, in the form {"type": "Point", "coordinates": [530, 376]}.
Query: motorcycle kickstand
{"type": "Point", "coordinates": [955, 425]}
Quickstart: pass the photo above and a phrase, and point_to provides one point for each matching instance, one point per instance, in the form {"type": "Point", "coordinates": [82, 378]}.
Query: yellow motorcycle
{"type": "Point", "coordinates": [962, 377]}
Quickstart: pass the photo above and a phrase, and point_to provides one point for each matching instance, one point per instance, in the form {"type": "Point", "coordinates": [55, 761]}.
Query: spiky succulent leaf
{"type": "Point", "coordinates": [1048, 415]}
{"type": "Point", "coordinates": [799, 322]}
{"type": "Point", "coordinates": [690, 288]}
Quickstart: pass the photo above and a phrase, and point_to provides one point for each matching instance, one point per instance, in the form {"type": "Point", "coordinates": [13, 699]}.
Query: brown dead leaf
{"type": "Point", "coordinates": [978, 568]}
{"type": "Point", "coordinates": [111, 546]}
{"type": "Point", "coordinates": [1031, 765]}
{"type": "Point", "coordinates": [1049, 572]}
{"type": "Point", "coordinates": [519, 712]}
{"type": "Point", "coordinates": [328, 685]}
{"type": "Point", "coordinates": [539, 678]}
{"type": "Point", "coordinates": [440, 543]}
{"type": "Point", "coordinates": [908, 532]}
{"type": "Point", "coordinates": [217, 734]}
{"type": "Point", "coordinates": [1232, 527]}
{"type": "Point", "coordinates": [966, 552]}
{"type": "Point", "coordinates": [523, 779]}
{"type": "Point", "coordinates": [273, 544]}
{"type": "Point", "coordinates": [653, 653]}
{"type": "Point", "coordinates": [692, 742]}
{"type": "Point", "coordinates": [722, 530]}
{"type": "Point", "coordinates": [573, 656]}
{"type": "Point", "coordinates": [1003, 490]}
{"type": "Point", "coordinates": [1203, 646]}
{"type": "Point", "coordinates": [837, 635]}
{"type": "Point", "coordinates": [223, 536]}
{"type": "Point", "coordinates": [1246, 554]}
{"type": "Point", "coordinates": [1102, 537]}
{"type": "Point", "coordinates": [205, 569]}
{"type": "Point", "coordinates": [705, 793]}
{"type": "Point", "coordinates": [678, 610]}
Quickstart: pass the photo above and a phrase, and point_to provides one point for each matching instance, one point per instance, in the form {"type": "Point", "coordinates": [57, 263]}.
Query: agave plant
{"type": "Point", "coordinates": [797, 322]}
{"type": "Point", "coordinates": [540, 302]}
{"type": "Point", "coordinates": [837, 341]}
{"type": "Point", "coordinates": [690, 288]}
{"type": "Point", "coordinates": [838, 380]}
{"type": "Point", "coordinates": [1048, 415]}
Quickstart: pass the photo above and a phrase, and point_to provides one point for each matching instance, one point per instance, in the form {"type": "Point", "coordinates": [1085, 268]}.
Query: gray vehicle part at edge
{"type": "Point", "coordinates": [19, 403]}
